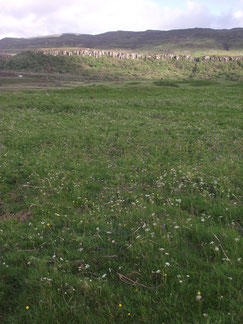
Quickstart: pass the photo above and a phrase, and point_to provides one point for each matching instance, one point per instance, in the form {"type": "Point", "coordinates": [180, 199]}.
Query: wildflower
{"type": "Point", "coordinates": [167, 264]}
{"type": "Point", "coordinates": [129, 314]}
{"type": "Point", "coordinates": [198, 297]}
{"type": "Point", "coordinates": [216, 249]}
{"type": "Point", "coordinates": [120, 305]}
{"type": "Point", "coordinates": [27, 307]}
{"type": "Point", "coordinates": [48, 225]}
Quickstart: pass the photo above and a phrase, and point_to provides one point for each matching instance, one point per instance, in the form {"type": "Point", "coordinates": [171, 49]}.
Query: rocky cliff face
{"type": "Point", "coordinates": [135, 56]}
{"type": "Point", "coordinates": [4, 56]}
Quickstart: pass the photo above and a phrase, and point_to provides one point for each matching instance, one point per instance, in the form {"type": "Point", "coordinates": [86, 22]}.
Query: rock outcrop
{"type": "Point", "coordinates": [4, 56]}
{"type": "Point", "coordinates": [135, 56]}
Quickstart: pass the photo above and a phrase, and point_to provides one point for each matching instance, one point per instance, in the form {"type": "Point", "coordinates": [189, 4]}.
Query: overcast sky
{"type": "Point", "coordinates": [29, 18]}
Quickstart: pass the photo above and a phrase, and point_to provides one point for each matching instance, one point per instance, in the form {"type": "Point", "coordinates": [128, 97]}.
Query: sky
{"type": "Point", "coordinates": [31, 18]}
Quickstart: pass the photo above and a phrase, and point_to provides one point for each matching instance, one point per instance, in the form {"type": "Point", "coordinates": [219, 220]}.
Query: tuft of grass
{"type": "Point", "coordinates": [166, 83]}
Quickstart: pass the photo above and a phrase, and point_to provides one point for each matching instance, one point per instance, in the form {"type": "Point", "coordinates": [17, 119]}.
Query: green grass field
{"type": "Point", "coordinates": [122, 203]}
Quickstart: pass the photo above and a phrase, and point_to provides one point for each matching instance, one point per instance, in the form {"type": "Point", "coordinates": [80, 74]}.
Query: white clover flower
{"type": "Point", "coordinates": [216, 249]}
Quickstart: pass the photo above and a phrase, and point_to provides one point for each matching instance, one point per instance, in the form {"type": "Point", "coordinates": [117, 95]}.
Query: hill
{"type": "Point", "coordinates": [183, 39]}
{"type": "Point", "coordinates": [112, 68]}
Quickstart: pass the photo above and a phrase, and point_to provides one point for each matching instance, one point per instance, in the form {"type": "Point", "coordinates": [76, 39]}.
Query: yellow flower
{"type": "Point", "coordinates": [58, 214]}
{"type": "Point", "coordinates": [129, 314]}
{"type": "Point", "coordinates": [27, 307]}
{"type": "Point", "coordinates": [120, 305]}
{"type": "Point", "coordinates": [165, 274]}
{"type": "Point", "coordinates": [48, 225]}
{"type": "Point", "coordinates": [199, 292]}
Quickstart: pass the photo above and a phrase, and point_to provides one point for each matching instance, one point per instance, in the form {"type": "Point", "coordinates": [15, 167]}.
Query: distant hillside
{"type": "Point", "coordinates": [184, 39]}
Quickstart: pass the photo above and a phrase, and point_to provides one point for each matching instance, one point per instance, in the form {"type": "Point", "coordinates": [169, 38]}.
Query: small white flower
{"type": "Point", "coordinates": [177, 226]}
{"type": "Point", "coordinates": [237, 239]}
{"type": "Point", "coordinates": [161, 249]}
{"type": "Point", "coordinates": [198, 297]}
{"type": "Point", "coordinates": [87, 266]}
{"type": "Point", "coordinates": [239, 259]}
{"type": "Point", "coordinates": [167, 264]}
{"type": "Point", "coordinates": [104, 275]}
{"type": "Point", "coordinates": [158, 271]}
{"type": "Point", "coordinates": [80, 250]}
{"type": "Point", "coordinates": [138, 237]}
{"type": "Point", "coordinates": [230, 278]}
{"type": "Point", "coordinates": [216, 249]}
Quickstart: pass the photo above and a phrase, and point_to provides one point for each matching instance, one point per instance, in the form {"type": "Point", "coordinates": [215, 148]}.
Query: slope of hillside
{"type": "Point", "coordinates": [194, 39]}
{"type": "Point", "coordinates": [111, 68]}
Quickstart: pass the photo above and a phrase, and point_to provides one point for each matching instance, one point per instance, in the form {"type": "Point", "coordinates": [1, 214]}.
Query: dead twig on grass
{"type": "Point", "coordinates": [220, 244]}
{"type": "Point", "coordinates": [131, 282]}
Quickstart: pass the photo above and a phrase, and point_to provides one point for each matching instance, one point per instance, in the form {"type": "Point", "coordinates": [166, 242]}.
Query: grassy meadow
{"type": "Point", "coordinates": [121, 202]}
